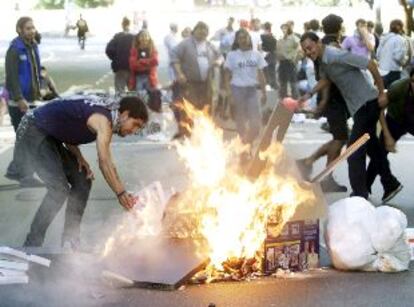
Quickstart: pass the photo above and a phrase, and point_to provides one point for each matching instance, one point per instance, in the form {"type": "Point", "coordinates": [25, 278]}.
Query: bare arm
{"type": "Point", "coordinates": [101, 125]}
{"type": "Point", "coordinates": [322, 83]}
{"type": "Point", "coordinates": [82, 163]}
{"type": "Point", "coordinates": [367, 40]}
{"type": "Point", "coordinates": [74, 149]}
{"type": "Point", "coordinates": [324, 100]}
{"type": "Point", "coordinates": [382, 97]}
{"type": "Point", "coordinates": [389, 140]}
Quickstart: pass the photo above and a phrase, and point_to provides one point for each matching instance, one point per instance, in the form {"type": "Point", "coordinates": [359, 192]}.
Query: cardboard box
{"type": "Point", "coordinates": [296, 247]}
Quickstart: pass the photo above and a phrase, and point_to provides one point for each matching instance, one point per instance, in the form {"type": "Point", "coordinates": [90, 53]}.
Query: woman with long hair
{"type": "Point", "coordinates": [243, 72]}
{"type": "Point", "coordinates": [143, 62]}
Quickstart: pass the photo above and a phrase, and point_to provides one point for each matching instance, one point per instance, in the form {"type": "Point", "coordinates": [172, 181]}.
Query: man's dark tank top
{"type": "Point", "coordinates": [66, 120]}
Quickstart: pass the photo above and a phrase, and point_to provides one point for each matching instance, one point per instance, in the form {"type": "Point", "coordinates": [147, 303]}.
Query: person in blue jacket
{"type": "Point", "coordinates": [23, 85]}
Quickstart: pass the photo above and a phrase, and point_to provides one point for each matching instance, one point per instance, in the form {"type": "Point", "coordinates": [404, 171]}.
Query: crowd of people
{"type": "Point", "coordinates": [366, 76]}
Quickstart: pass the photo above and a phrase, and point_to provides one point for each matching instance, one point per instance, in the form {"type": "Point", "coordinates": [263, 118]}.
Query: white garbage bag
{"type": "Point", "coordinates": [362, 237]}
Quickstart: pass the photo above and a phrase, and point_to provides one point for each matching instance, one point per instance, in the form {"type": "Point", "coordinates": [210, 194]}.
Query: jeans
{"type": "Point", "coordinates": [246, 112]}
{"type": "Point", "coordinates": [121, 81]}
{"type": "Point", "coordinates": [142, 83]}
{"type": "Point", "coordinates": [57, 167]}
{"type": "Point", "coordinates": [18, 167]}
{"type": "Point", "coordinates": [365, 121]}
{"type": "Point", "coordinates": [382, 168]}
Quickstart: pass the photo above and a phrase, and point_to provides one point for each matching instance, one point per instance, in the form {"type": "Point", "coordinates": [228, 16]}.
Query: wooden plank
{"type": "Point", "coordinates": [279, 119]}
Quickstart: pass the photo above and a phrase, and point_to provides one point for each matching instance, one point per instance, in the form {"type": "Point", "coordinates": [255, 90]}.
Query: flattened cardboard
{"type": "Point", "coordinates": [156, 263]}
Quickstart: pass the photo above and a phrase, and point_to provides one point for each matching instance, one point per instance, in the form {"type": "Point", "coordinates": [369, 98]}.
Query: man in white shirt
{"type": "Point", "coordinates": [391, 53]}
{"type": "Point", "coordinates": [170, 42]}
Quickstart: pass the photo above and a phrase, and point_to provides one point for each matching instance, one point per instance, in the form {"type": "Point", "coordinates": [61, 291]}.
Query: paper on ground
{"type": "Point", "coordinates": [22, 255]}
{"type": "Point", "coordinates": [14, 265]}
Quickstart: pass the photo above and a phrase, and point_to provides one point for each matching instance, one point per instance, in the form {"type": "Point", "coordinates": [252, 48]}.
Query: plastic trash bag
{"type": "Point", "coordinates": [362, 237]}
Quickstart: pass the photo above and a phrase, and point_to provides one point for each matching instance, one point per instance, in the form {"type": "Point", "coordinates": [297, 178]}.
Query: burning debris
{"type": "Point", "coordinates": [223, 210]}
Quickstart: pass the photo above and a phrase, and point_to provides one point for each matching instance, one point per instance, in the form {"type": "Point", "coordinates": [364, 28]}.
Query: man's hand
{"type": "Point", "coordinates": [83, 164]}
{"type": "Point", "coordinates": [126, 200]}
{"type": "Point", "coordinates": [390, 143]}
{"type": "Point", "coordinates": [23, 105]}
{"type": "Point", "coordinates": [304, 98]}
{"type": "Point", "coordinates": [382, 100]}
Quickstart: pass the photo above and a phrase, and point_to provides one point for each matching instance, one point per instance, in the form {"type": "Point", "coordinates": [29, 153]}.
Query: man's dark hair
{"type": "Point", "coordinates": [314, 25]}
{"type": "Point", "coordinates": [332, 24]}
{"type": "Point", "coordinates": [411, 72]}
{"type": "Point", "coordinates": [21, 22]}
{"type": "Point", "coordinates": [360, 20]}
{"type": "Point", "coordinates": [396, 26]}
{"type": "Point", "coordinates": [125, 22]}
{"type": "Point", "coordinates": [370, 24]}
{"type": "Point", "coordinates": [267, 26]}
{"type": "Point", "coordinates": [309, 35]}
{"type": "Point", "coordinates": [38, 38]}
{"type": "Point", "coordinates": [135, 106]}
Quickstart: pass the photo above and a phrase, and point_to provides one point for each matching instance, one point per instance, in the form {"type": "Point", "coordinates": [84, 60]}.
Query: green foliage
{"type": "Point", "coordinates": [93, 3]}
{"type": "Point", "coordinates": [51, 4]}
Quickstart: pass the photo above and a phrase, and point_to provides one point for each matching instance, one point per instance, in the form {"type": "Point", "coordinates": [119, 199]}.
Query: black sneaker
{"type": "Point", "coordinates": [330, 185]}
{"type": "Point", "coordinates": [304, 168]}
{"type": "Point", "coordinates": [31, 182]}
{"type": "Point", "coordinates": [11, 176]}
{"type": "Point", "coordinates": [391, 192]}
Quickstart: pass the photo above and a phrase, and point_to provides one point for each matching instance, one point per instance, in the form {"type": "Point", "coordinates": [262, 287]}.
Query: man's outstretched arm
{"type": "Point", "coordinates": [101, 125]}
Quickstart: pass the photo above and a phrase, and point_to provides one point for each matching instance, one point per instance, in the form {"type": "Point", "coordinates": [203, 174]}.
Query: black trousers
{"type": "Point", "coordinates": [57, 167]}
{"type": "Point", "coordinates": [382, 167]}
{"type": "Point", "coordinates": [365, 121]}
{"type": "Point", "coordinates": [288, 76]}
{"type": "Point", "coordinates": [270, 69]}
{"type": "Point", "coordinates": [389, 78]}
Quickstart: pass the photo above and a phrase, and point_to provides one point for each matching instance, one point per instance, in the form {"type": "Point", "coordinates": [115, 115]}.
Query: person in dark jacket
{"type": "Point", "coordinates": [50, 136]}
{"type": "Point", "coordinates": [117, 51]}
{"type": "Point", "coordinates": [23, 85]}
{"type": "Point", "coordinates": [269, 47]}
{"type": "Point", "coordinates": [83, 28]}
{"type": "Point", "coordinates": [399, 121]}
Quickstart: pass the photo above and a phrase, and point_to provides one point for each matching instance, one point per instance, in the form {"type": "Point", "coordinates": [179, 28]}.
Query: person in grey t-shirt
{"type": "Point", "coordinates": [363, 100]}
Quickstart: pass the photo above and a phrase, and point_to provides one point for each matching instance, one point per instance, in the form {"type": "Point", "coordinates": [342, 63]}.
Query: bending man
{"type": "Point", "coordinates": [50, 136]}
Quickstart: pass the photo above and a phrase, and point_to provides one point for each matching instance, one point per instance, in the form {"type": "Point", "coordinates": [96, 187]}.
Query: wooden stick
{"type": "Point", "coordinates": [345, 155]}
{"type": "Point", "coordinates": [280, 118]}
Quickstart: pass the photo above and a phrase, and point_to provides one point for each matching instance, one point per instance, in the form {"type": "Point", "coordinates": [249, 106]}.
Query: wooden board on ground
{"type": "Point", "coordinates": [155, 263]}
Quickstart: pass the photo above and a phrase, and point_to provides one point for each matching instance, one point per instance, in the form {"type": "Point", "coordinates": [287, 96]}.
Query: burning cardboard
{"type": "Point", "coordinates": [223, 213]}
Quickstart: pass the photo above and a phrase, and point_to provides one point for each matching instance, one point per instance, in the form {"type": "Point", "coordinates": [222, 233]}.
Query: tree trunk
{"type": "Point", "coordinates": [409, 22]}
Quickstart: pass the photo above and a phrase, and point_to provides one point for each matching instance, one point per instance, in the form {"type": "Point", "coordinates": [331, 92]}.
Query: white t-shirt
{"type": "Point", "coordinates": [243, 66]}
{"type": "Point", "coordinates": [202, 59]}
{"type": "Point", "coordinates": [256, 39]}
